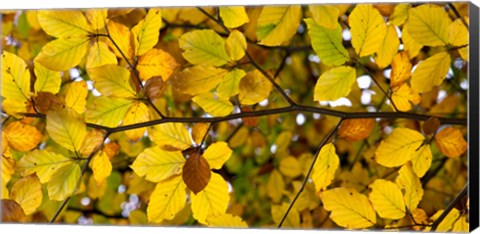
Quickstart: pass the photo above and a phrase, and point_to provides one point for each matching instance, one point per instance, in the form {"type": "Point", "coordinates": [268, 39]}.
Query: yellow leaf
{"type": "Point", "coordinates": [283, 141]}
{"type": "Point", "coordinates": [334, 84]}
{"type": "Point", "coordinates": [107, 111]}
{"type": "Point", "coordinates": [368, 29]}
{"type": "Point", "coordinates": [112, 80]}
{"type": "Point", "coordinates": [198, 79]}
{"type": "Point", "coordinates": [156, 62]}
{"type": "Point", "coordinates": [147, 31]}
{"type": "Point", "coordinates": [253, 88]}
{"type": "Point", "coordinates": [66, 127]}
{"type": "Point", "coordinates": [96, 18]}
{"type": "Point", "coordinates": [401, 69]}
{"type": "Point", "coordinates": [63, 182]}
{"type": "Point", "coordinates": [43, 163]}
{"type": "Point", "coordinates": [327, 43]}
{"type": "Point", "coordinates": [13, 107]}
{"type": "Point", "coordinates": [137, 113]}
{"type": "Point", "coordinates": [22, 137]}
{"type": "Point", "coordinates": [430, 72]}
{"type": "Point", "coordinates": [101, 167]}
{"type": "Point", "coordinates": [63, 23]}
{"type": "Point", "coordinates": [458, 33]}
{"type": "Point", "coordinates": [290, 166]}
{"type": "Point", "coordinates": [137, 217]}
{"type": "Point", "coordinates": [325, 15]}
{"type": "Point", "coordinates": [27, 192]}
{"type": "Point", "coordinates": [170, 136]}
{"type": "Point", "coordinates": [387, 199]}
{"type": "Point", "coordinates": [123, 38]}
{"type": "Point", "coordinates": [233, 16]}
{"type": "Point", "coordinates": [388, 48]}
{"type": "Point", "coordinates": [277, 25]}
{"type": "Point", "coordinates": [236, 45]}
{"type": "Point", "coordinates": [450, 141]}
{"type": "Point", "coordinates": [293, 217]}
{"type": "Point", "coordinates": [447, 223]}
{"type": "Point", "coordinates": [93, 141]}
{"type": "Point", "coordinates": [217, 154]}
{"type": "Point", "coordinates": [349, 208]}
{"type": "Point", "coordinates": [157, 164]}
{"type": "Point", "coordinates": [7, 170]}
{"type": "Point", "coordinates": [76, 96]}
{"type": "Point", "coordinates": [410, 44]}
{"type": "Point", "coordinates": [198, 132]}
{"type": "Point", "coordinates": [408, 181]}
{"type": "Point", "coordinates": [229, 86]}
{"type": "Point", "coordinates": [211, 201]}
{"type": "Point", "coordinates": [15, 78]}
{"type": "Point", "coordinates": [226, 221]}
{"type": "Point", "coordinates": [203, 47]}
{"type": "Point", "coordinates": [422, 160]}
{"type": "Point", "coordinates": [461, 225]}
{"type": "Point", "coordinates": [275, 186]}
{"type": "Point", "coordinates": [63, 54]}
{"type": "Point", "coordinates": [215, 106]}
{"type": "Point", "coordinates": [47, 80]}
{"type": "Point", "coordinates": [33, 19]}
{"type": "Point", "coordinates": [404, 97]}
{"type": "Point", "coordinates": [99, 55]}
{"type": "Point", "coordinates": [398, 147]}
{"type": "Point", "coordinates": [325, 166]}
{"type": "Point", "coordinates": [356, 129]}
{"type": "Point", "coordinates": [167, 200]}
{"type": "Point", "coordinates": [429, 25]}
{"type": "Point", "coordinates": [400, 14]}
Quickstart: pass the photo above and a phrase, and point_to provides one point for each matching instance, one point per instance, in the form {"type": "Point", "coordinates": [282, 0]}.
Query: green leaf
{"type": "Point", "coordinates": [66, 127]}
{"type": "Point", "coordinates": [277, 25]}
{"type": "Point", "coordinates": [203, 47]}
{"type": "Point", "coordinates": [327, 43]}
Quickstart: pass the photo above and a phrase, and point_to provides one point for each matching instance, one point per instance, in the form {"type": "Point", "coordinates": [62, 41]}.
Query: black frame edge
{"type": "Point", "coordinates": [473, 119]}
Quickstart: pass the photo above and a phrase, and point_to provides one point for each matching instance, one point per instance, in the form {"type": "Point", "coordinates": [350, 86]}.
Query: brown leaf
{"type": "Point", "coordinates": [11, 212]}
{"type": "Point", "coordinates": [249, 121]}
{"type": "Point", "coordinates": [155, 87]}
{"type": "Point", "coordinates": [196, 172]}
{"type": "Point", "coordinates": [44, 100]}
{"type": "Point", "coordinates": [431, 125]}
{"type": "Point", "coordinates": [356, 129]}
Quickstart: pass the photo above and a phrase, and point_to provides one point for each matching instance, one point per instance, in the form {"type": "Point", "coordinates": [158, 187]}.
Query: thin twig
{"type": "Point", "coordinates": [305, 180]}
{"type": "Point", "coordinates": [454, 9]}
{"type": "Point", "coordinates": [449, 208]}
{"type": "Point", "coordinates": [84, 169]}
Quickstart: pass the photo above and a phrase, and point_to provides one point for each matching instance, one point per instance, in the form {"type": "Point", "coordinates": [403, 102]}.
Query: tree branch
{"type": "Point", "coordinates": [450, 207]}
{"type": "Point", "coordinates": [307, 176]}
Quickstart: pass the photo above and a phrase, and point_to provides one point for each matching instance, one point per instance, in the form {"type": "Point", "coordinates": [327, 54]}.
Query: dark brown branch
{"type": "Point", "coordinates": [454, 9]}
{"type": "Point", "coordinates": [305, 180]}
{"type": "Point", "coordinates": [450, 207]}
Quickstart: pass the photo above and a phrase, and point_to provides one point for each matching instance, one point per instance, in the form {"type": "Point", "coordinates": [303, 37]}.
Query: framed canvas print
{"type": "Point", "coordinates": [304, 116]}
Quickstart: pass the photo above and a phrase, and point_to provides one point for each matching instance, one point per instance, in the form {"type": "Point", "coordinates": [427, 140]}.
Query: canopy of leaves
{"type": "Point", "coordinates": [324, 116]}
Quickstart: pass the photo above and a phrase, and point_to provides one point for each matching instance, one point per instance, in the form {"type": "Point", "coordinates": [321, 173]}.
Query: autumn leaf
{"type": "Point", "coordinates": [325, 15]}
{"type": "Point", "coordinates": [22, 137]}
{"type": "Point", "coordinates": [99, 54]}
{"type": "Point", "coordinates": [387, 199]}
{"type": "Point", "coordinates": [188, 80]}
{"type": "Point", "coordinates": [211, 201]}
{"type": "Point", "coordinates": [368, 29]}
{"type": "Point", "coordinates": [196, 173]}
{"type": "Point", "coordinates": [76, 96]}
{"type": "Point", "coordinates": [112, 80]}
{"type": "Point", "coordinates": [277, 25]}
{"type": "Point", "coordinates": [27, 192]}
{"type": "Point", "coordinates": [170, 136]}
{"type": "Point", "coordinates": [388, 48]}
{"type": "Point", "coordinates": [233, 16]}
{"type": "Point", "coordinates": [96, 18]}
{"type": "Point", "coordinates": [15, 78]}
{"type": "Point", "coordinates": [167, 199]}
{"type": "Point", "coordinates": [121, 40]}
{"type": "Point", "coordinates": [63, 23]}
{"type": "Point", "coordinates": [66, 128]}
{"type": "Point", "coordinates": [204, 47]}
{"type": "Point", "coordinates": [290, 166]}
{"type": "Point", "coordinates": [325, 167]}
{"type": "Point", "coordinates": [334, 84]}
{"type": "Point", "coordinates": [236, 45]}
{"type": "Point", "coordinates": [229, 86]}
{"type": "Point", "coordinates": [408, 181]}
{"type": "Point", "coordinates": [226, 220]}
{"type": "Point", "coordinates": [450, 141]}
{"type": "Point", "coordinates": [146, 32]}
{"type": "Point", "coordinates": [253, 88]}
{"type": "Point", "coordinates": [63, 182]}
{"type": "Point", "coordinates": [107, 111]}
{"type": "Point", "coordinates": [356, 129]}
{"type": "Point", "coordinates": [327, 43]}
{"type": "Point", "coordinates": [398, 147]}
{"type": "Point", "coordinates": [400, 14]}
{"type": "Point", "coordinates": [216, 106]}
{"type": "Point", "coordinates": [47, 80]}
{"type": "Point", "coordinates": [401, 69]}
{"type": "Point", "coordinates": [101, 167]}
{"type": "Point", "coordinates": [11, 211]}
{"type": "Point", "coordinates": [156, 62]}
{"type": "Point", "coordinates": [349, 208]}
{"type": "Point", "coordinates": [43, 163]}
{"type": "Point", "coordinates": [430, 72]}
{"type": "Point", "coordinates": [429, 25]}
{"type": "Point", "coordinates": [217, 154]}
{"type": "Point", "coordinates": [404, 97]}
{"type": "Point", "coordinates": [137, 113]}
{"type": "Point", "coordinates": [157, 165]}
{"type": "Point", "coordinates": [63, 54]}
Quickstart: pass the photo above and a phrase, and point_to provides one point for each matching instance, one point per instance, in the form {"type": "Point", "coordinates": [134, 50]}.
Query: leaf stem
{"type": "Point", "coordinates": [307, 175]}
